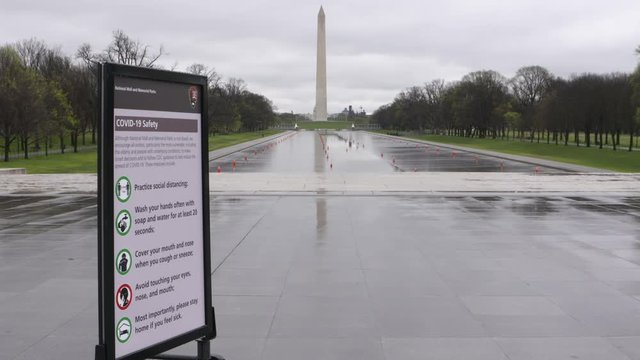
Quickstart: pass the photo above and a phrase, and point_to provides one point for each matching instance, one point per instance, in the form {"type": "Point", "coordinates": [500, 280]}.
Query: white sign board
{"type": "Point", "coordinates": [157, 200]}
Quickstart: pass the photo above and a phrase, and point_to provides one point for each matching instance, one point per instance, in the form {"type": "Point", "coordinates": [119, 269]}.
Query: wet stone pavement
{"type": "Point", "coordinates": [326, 276]}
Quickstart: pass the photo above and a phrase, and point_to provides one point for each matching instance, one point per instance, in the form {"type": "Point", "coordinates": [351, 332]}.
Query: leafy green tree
{"type": "Point", "coordinates": [617, 109]}
{"type": "Point", "coordinates": [256, 112]}
{"type": "Point", "coordinates": [384, 116]}
{"type": "Point", "coordinates": [81, 93]}
{"type": "Point", "coordinates": [31, 107]}
{"type": "Point", "coordinates": [529, 86]}
{"type": "Point", "coordinates": [634, 122]}
{"type": "Point", "coordinates": [476, 97]}
{"type": "Point", "coordinates": [60, 118]}
{"type": "Point", "coordinates": [552, 111]}
{"type": "Point", "coordinates": [11, 72]}
{"type": "Point", "coordinates": [514, 121]}
{"type": "Point", "coordinates": [410, 109]}
{"type": "Point", "coordinates": [75, 84]}
{"type": "Point", "coordinates": [222, 113]}
{"type": "Point", "coordinates": [634, 125]}
{"type": "Point", "coordinates": [434, 93]}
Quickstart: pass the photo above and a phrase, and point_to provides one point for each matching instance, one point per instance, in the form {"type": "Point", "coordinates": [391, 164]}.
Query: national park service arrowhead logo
{"type": "Point", "coordinates": [193, 96]}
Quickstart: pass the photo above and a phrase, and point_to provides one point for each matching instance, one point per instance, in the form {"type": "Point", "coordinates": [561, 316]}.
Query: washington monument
{"type": "Point", "coordinates": [320, 110]}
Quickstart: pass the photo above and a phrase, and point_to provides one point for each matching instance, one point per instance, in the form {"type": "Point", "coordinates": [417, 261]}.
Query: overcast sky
{"type": "Point", "coordinates": [374, 48]}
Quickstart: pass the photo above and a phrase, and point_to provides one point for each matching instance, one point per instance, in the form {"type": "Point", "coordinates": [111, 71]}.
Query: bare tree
{"type": "Point", "coordinates": [213, 78]}
{"type": "Point", "coordinates": [530, 84]}
{"type": "Point", "coordinates": [124, 50]}
{"type": "Point", "coordinates": [88, 75]}
{"type": "Point", "coordinates": [31, 52]}
{"type": "Point", "coordinates": [85, 53]}
{"type": "Point", "coordinates": [434, 92]}
{"type": "Point", "coordinates": [235, 87]}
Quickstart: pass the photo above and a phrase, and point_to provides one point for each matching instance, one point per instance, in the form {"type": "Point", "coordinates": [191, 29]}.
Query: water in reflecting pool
{"type": "Point", "coordinates": [359, 152]}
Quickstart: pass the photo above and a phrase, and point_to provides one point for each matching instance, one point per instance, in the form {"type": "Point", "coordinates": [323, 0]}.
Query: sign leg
{"type": "Point", "coordinates": [204, 351]}
{"type": "Point", "coordinates": [100, 353]}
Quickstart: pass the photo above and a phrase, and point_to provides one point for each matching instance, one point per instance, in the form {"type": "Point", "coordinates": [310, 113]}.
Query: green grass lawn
{"type": "Point", "coordinates": [54, 143]}
{"type": "Point", "coordinates": [70, 162]}
{"type": "Point", "coordinates": [620, 160]}
{"type": "Point", "coordinates": [86, 161]}
{"type": "Point", "coordinates": [313, 125]}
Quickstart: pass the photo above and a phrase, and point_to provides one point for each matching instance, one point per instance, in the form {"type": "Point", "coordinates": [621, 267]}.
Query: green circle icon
{"type": "Point", "coordinates": [123, 222]}
{"type": "Point", "coordinates": [124, 260]}
{"type": "Point", "coordinates": [123, 189]}
{"type": "Point", "coordinates": [123, 330]}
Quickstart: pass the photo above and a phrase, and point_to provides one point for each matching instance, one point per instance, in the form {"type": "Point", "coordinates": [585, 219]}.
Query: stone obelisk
{"type": "Point", "coordinates": [320, 110]}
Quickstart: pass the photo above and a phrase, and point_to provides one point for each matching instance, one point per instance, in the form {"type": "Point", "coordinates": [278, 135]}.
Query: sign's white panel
{"type": "Point", "coordinates": [158, 228]}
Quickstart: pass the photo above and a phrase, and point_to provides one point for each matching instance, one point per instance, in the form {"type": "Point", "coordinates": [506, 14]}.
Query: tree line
{"type": "Point", "coordinates": [43, 95]}
{"type": "Point", "coordinates": [597, 108]}
{"type": "Point", "coordinates": [48, 97]}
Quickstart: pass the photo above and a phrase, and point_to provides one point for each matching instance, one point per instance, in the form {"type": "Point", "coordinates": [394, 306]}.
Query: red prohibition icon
{"type": "Point", "coordinates": [124, 295]}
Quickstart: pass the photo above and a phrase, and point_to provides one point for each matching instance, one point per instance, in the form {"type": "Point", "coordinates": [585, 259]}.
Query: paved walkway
{"type": "Point", "coordinates": [453, 276]}
{"type": "Point", "coordinates": [337, 265]}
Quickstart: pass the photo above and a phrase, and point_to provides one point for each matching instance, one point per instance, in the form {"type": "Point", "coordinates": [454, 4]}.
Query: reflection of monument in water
{"type": "Point", "coordinates": [320, 162]}
{"type": "Point", "coordinates": [320, 110]}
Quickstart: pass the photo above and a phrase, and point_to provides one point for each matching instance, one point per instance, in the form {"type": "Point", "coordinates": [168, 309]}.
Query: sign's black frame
{"type": "Point", "coordinates": [106, 74]}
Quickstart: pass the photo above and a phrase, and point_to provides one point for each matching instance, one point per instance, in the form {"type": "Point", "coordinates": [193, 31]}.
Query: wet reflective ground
{"type": "Point", "coordinates": [353, 277]}
{"type": "Point", "coordinates": [346, 275]}
{"type": "Point", "coordinates": [360, 152]}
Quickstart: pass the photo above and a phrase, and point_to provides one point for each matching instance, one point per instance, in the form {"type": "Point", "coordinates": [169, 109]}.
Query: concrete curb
{"type": "Point", "coordinates": [424, 182]}
{"type": "Point", "coordinates": [399, 183]}
{"type": "Point", "coordinates": [13, 171]}
{"type": "Point", "coordinates": [217, 154]}
{"type": "Point", "coordinates": [523, 159]}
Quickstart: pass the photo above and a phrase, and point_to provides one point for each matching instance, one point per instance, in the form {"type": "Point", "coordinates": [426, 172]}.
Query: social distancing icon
{"type": "Point", "coordinates": [124, 295]}
{"type": "Point", "coordinates": [123, 262]}
{"type": "Point", "coordinates": [123, 189]}
{"type": "Point", "coordinates": [123, 222]}
{"type": "Point", "coordinates": [123, 330]}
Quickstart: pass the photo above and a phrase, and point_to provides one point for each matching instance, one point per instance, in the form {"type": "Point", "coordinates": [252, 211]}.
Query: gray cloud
{"type": "Point", "coordinates": [375, 48]}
